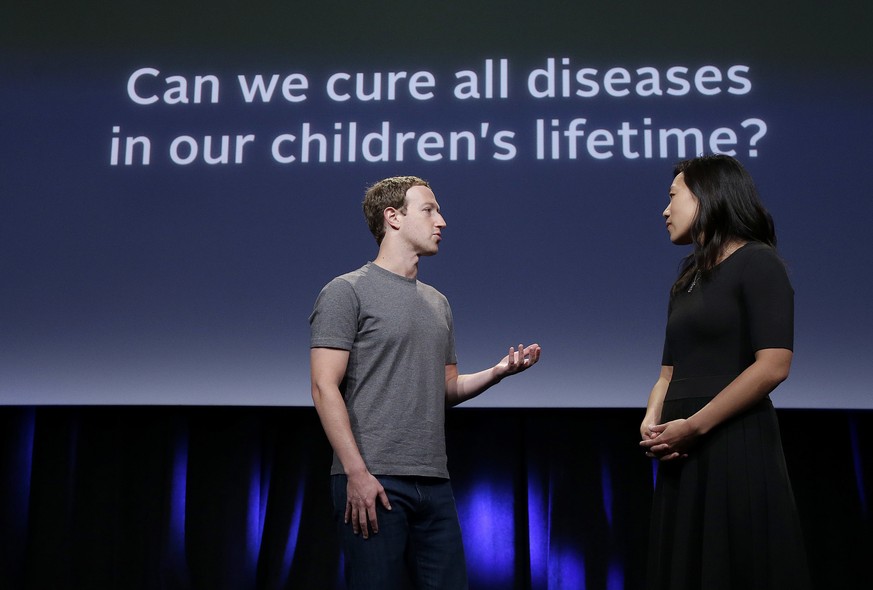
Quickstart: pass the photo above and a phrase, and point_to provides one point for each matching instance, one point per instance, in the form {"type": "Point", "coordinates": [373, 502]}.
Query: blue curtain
{"type": "Point", "coordinates": [237, 498]}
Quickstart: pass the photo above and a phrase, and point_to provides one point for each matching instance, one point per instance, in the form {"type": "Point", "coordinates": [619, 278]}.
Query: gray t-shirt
{"type": "Point", "coordinates": [400, 337]}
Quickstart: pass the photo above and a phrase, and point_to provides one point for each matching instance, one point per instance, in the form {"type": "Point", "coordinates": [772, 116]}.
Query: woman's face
{"type": "Point", "coordinates": [681, 211]}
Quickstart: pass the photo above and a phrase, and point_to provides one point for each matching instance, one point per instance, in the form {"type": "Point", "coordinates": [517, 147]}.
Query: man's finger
{"type": "Point", "coordinates": [374, 521]}
{"type": "Point", "coordinates": [363, 523]}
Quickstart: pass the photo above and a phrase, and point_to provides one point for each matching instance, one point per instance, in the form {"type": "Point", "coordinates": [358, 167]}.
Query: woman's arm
{"type": "Point", "coordinates": [675, 438]}
{"type": "Point", "coordinates": [656, 402]}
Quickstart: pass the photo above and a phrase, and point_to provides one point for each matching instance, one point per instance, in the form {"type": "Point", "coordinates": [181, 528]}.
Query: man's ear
{"type": "Point", "coordinates": [391, 217]}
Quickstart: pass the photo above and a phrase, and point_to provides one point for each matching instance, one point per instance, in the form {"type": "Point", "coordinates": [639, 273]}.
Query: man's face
{"type": "Point", "coordinates": [422, 223]}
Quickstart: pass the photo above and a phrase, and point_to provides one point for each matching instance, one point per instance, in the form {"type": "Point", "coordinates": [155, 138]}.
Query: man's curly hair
{"type": "Point", "coordinates": [390, 192]}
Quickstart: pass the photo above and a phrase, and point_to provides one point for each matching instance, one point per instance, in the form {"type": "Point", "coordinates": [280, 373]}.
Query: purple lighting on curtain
{"type": "Point", "coordinates": [552, 567]}
{"type": "Point", "coordinates": [566, 571]}
{"type": "Point", "coordinates": [293, 530]}
{"type": "Point", "coordinates": [259, 487]}
{"type": "Point", "coordinates": [489, 531]}
{"type": "Point", "coordinates": [606, 489]}
{"type": "Point", "coordinates": [856, 462]}
{"type": "Point", "coordinates": [21, 473]}
{"type": "Point", "coordinates": [539, 514]}
{"type": "Point", "coordinates": [178, 492]}
{"type": "Point", "coordinates": [615, 577]}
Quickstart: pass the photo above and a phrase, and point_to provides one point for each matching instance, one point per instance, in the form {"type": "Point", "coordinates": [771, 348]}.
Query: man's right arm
{"type": "Point", "coordinates": [328, 367]}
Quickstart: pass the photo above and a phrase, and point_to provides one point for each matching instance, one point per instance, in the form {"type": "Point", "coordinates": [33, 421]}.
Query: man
{"type": "Point", "coordinates": [383, 371]}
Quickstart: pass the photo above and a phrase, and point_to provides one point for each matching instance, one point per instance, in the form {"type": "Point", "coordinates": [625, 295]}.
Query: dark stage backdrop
{"type": "Point", "coordinates": [178, 180]}
{"type": "Point", "coordinates": [237, 498]}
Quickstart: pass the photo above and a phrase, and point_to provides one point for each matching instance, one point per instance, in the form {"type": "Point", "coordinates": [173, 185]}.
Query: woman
{"type": "Point", "coordinates": [723, 514]}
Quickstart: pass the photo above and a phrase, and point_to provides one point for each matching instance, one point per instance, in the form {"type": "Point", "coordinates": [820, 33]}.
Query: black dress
{"type": "Point", "coordinates": [724, 517]}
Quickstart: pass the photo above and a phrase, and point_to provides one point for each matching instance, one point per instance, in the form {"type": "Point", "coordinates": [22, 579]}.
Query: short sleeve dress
{"type": "Point", "coordinates": [725, 517]}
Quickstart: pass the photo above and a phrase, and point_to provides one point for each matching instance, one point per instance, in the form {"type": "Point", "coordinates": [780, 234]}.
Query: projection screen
{"type": "Point", "coordinates": [179, 180]}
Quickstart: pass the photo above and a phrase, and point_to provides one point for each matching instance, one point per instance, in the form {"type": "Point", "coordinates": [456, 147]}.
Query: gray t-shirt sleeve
{"type": "Point", "coordinates": [334, 319]}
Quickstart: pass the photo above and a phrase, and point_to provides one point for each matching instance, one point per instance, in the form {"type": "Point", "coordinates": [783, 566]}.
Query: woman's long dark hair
{"type": "Point", "coordinates": [729, 208]}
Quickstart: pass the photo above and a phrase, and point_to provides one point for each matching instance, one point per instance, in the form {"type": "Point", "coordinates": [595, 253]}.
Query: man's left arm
{"type": "Point", "coordinates": [460, 388]}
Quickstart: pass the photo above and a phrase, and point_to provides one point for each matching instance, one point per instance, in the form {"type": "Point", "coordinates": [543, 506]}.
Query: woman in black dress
{"type": "Point", "coordinates": [723, 515]}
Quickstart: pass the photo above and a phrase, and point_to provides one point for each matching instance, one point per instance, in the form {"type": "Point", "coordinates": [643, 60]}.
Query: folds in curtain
{"type": "Point", "coordinates": [237, 498]}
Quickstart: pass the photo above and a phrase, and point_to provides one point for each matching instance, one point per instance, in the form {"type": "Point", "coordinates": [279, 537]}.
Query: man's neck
{"type": "Point", "coordinates": [400, 263]}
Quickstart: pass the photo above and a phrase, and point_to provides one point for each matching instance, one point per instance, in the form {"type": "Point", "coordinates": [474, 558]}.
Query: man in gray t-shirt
{"type": "Point", "coordinates": [383, 371]}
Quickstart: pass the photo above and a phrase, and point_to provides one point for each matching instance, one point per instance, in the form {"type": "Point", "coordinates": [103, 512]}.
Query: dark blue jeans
{"type": "Point", "coordinates": [419, 539]}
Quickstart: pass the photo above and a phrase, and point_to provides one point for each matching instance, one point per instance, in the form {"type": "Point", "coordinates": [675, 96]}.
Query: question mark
{"type": "Point", "coordinates": [762, 131]}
